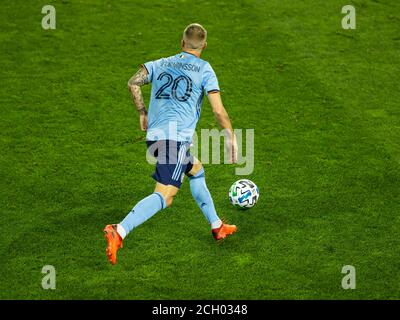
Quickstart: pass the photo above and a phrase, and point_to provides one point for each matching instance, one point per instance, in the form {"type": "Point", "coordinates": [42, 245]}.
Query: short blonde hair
{"type": "Point", "coordinates": [194, 36]}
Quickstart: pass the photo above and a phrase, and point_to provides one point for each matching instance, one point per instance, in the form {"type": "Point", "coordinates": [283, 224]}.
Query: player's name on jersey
{"type": "Point", "coordinates": [182, 66]}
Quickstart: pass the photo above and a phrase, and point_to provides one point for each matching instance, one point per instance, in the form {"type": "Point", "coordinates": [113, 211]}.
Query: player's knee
{"type": "Point", "coordinates": [196, 170]}
{"type": "Point", "coordinates": [168, 192]}
{"type": "Point", "coordinates": [168, 200]}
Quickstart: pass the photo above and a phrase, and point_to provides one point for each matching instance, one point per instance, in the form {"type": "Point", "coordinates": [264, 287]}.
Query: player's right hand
{"type": "Point", "coordinates": [143, 121]}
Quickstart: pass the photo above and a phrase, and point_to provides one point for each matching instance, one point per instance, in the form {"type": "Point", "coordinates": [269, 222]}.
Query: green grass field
{"type": "Point", "coordinates": [324, 104]}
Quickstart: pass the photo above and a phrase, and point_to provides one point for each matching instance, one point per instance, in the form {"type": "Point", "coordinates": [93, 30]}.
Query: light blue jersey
{"type": "Point", "coordinates": [178, 86]}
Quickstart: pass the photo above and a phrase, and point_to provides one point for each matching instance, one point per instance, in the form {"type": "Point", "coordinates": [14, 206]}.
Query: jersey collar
{"type": "Point", "coordinates": [190, 54]}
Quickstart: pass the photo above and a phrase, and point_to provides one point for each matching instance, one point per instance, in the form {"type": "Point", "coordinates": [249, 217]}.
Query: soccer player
{"type": "Point", "coordinates": [178, 86]}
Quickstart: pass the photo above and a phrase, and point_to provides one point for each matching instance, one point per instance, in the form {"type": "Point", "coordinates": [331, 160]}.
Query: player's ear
{"type": "Point", "coordinates": [182, 43]}
{"type": "Point", "coordinates": [205, 45]}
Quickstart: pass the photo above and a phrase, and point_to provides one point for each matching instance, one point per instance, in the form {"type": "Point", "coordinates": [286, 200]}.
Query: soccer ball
{"type": "Point", "coordinates": [243, 194]}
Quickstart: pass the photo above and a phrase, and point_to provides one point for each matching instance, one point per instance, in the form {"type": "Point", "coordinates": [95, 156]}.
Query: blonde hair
{"type": "Point", "coordinates": [194, 36]}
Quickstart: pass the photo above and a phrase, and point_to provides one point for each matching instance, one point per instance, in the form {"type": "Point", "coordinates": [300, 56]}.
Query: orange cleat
{"type": "Point", "coordinates": [223, 231]}
{"type": "Point", "coordinates": [114, 242]}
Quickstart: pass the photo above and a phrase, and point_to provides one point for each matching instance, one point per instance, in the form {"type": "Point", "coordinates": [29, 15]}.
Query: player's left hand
{"type": "Point", "coordinates": [232, 148]}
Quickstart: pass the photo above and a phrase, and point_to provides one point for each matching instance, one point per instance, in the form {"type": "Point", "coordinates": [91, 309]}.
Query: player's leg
{"type": "Point", "coordinates": [167, 186]}
{"type": "Point", "coordinates": [141, 212]}
{"type": "Point", "coordinates": [161, 198]}
{"type": "Point", "coordinates": [167, 191]}
{"type": "Point", "coordinates": [146, 208]}
{"type": "Point", "coordinates": [201, 194]}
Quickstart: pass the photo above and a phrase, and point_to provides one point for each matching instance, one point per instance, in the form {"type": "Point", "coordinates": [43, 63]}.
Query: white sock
{"type": "Point", "coordinates": [216, 224]}
{"type": "Point", "coordinates": [121, 231]}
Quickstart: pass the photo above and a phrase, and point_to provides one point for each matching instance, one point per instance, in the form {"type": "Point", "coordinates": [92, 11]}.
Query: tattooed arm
{"type": "Point", "coordinates": [134, 85]}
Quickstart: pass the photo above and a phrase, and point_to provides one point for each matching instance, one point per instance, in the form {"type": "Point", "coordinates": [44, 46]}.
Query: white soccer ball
{"type": "Point", "coordinates": [244, 194]}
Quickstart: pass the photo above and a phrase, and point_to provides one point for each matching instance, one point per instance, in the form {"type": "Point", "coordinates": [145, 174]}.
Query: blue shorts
{"type": "Point", "coordinates": [173, 161]}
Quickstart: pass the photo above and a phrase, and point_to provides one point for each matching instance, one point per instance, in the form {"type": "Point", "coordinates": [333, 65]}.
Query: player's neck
{"type": "Point", "coordinates": [193, 52]}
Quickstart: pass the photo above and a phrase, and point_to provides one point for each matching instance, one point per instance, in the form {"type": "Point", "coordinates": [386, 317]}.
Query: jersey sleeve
{"type": "Point", "coordinates": [149, 66]}
{"type": "Point", "coordinates": [210, 81]}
